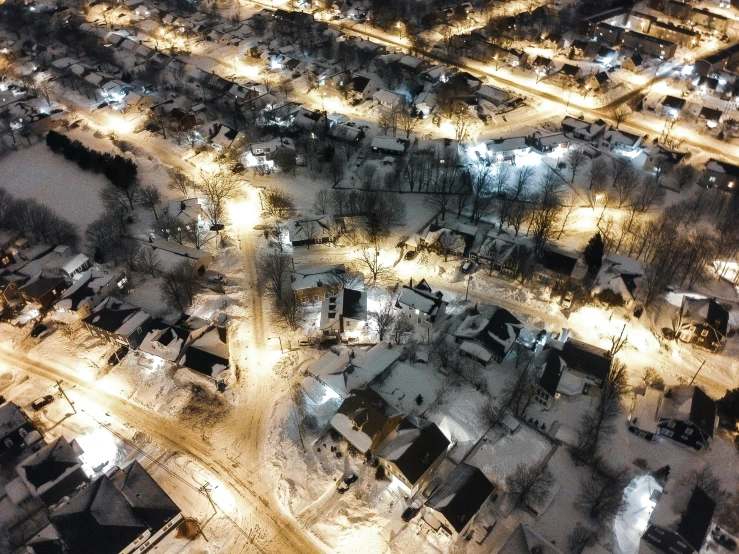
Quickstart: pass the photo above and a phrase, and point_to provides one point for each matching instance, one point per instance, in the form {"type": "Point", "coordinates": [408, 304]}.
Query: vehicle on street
{"type": "Point", "coordinates": [467, 266]}
{"type": "Point", "coordinates": [2, 400]}
{"type": "Point", "coordinates": [42, 402]}
{"type": "Point", "coordinates": [38, 330]}
{"type": "Point", "coordinates": [118, 355]}
{"type": "Point", "coordinates": [410, 254]}
{"type": "Point", "coordinates": [567, 300]}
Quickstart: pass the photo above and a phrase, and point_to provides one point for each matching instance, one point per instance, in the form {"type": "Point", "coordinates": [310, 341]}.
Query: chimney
{"type": "Point", "coordinates": [411, 282]}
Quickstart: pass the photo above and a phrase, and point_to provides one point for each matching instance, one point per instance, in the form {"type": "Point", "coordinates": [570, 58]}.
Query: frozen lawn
{"type": "Point", "coordinates": [53, 180]}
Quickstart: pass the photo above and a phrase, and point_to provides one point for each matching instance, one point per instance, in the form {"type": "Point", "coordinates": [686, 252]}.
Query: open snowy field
{"type": "Point", "coordinates": [51, 179]}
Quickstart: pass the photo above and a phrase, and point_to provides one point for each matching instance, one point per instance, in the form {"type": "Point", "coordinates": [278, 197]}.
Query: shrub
{"type": "Point", "coordinates": [610, 298]}
{"type": "Point", "coordinates": [380, 473]}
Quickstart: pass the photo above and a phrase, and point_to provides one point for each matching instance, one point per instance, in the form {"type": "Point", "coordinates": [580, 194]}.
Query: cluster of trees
{"type": "Point", "coordinates": [384, 209]}
{"type": "Point", "coordinates": [119, 170]}
{"type": "Point", "coordinates": [35, 221]}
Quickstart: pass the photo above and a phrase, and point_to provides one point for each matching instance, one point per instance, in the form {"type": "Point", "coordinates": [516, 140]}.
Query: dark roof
{"type": "Point", "coordinates": [666, 541]}
{"type": "Point", "coordinates": [637, 59]}
{"type": "Point", "coordinates": [552, 373]}
{"type": "Point", "coordinates": [586, 358]}
{"type": "Point", "coordinates": [673, 102]}
{"type": "Point", "coordinates": [50, 463]}
{"type": "Point", "coordinates": [570, 70]}
{"type": "Point", "coordinates": [718, 317]}
{"type": "Point", "coordinates": [417, 444]}
{"type": "Point", "coordinates": [696, 519]}
{"type": "Point", "coordinates": [461, 496]}
{"type": "Point", "coordinates": [203, 361]}
{"type": "Point", "coordinates": [147, 499]}
{"type": "Point", "coordinates": [355, 304]}
{"type": "Point", "coordinates": [558, 262]}
{"type": "Point", "coordinates": [41, 286]}
{"type": "Point", "coordinates": [498, 332]}
{"type": "Point", "coordinates": [729, 169]}
{"type": "Point", "coordinates": [359, 83]}
{"type": "Point", "coordinates": [703, 411]}
{"type": "Point", "coordinates": [710, 114]}
{"type": "Point", "coordinates": [602, 77]}
{"type": "Point", "coordinates": [111, 316]}
{"type": "Point", "coordinates": [367, 410]}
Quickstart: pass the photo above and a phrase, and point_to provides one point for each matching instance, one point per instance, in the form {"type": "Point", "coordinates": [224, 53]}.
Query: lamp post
{"type": "Point", "coordinates": [467, 292]}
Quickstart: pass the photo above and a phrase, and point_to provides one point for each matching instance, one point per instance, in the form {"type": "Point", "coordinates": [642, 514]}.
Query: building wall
{"type": "Point", "coordinates": [313, 294]}
{"type": "Point", "coordinates": [16, 440]}
{"type": "Point", "coordinates": [683, 432]}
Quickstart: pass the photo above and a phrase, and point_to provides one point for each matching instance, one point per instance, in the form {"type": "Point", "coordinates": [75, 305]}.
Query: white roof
{"type": "Point", "coordinates": [361, 441]}
{"type": "Point", "coordinates": [417, 300]}
{"type": "Point", "coordinates": [310, 277]}
{"type": "Point", "coordinates": [388, 143]}
{"type": "Point", "coordinates": [169, 352]}
{"type": "Point", "coordinates": [507, 144]}
{"type": "Point", "coordinates": [353, 368]}
{"type": "Point", "coordinates": [130, 325]}
{"type": "Point", "coordinates": [75, 263]}
{"type": "Point", "coordinates": [492, 93]}
{"type": "Point", "coordinates": [476, 351]}
{"type": "Point", "coordinates": [644, 410]}
{"type": "Point", "coordinates": [385, 96]}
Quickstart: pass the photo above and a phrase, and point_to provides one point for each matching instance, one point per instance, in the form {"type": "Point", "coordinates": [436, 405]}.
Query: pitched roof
{"type": "Point", "coordinates": [208, 354]}
{"type": "Point", "coordinates": [703, 411]}
{"type": "Point", "coordinates": [111, 314]}
{"type": "Point", "coordinates": [558, 261]}
{"type": "Point", "coordinates": [41, 286]}
{"type": "Point", "coordinates": [362, 416]}
{"type": "Point", "coordinates": [11, 418]}
{"type": "Point", "coordinates": [461, 495]}
{"type": "Point", "coordinates": [414, 447]}
{"type": "Point", "coordinates": [686, 403]}
{"type": "Point", "coordinates": [586, 358]}
{"type": "Point", "coordinates": [552, 371]}
{"type": "Point", "coordinates": [145, 496]}
{"type": "Point", "coordinates": [696, 519]}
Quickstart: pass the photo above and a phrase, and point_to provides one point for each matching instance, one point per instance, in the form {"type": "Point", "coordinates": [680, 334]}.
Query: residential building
{"type": "Point", "coordinates": [488, 335]}
{"type": "Point", "coordinates": [118, 321]}
{"type": "Point", "coordinates": [525, 540]}
{"type": "Point", "coordinates": [91, 288]}
{"type": "Point", "coordinates": [507, 149]}
{"type": "Point", "coordinates": [666, 534]}
{"type": "Point", "coordinates": [620, 275]}
{"type": "Point", "coordinates": [420, 303]}
{"type": "Point", "coordinates": [314, 283]}
{"type": "Point", "coordinates": [672, 105]}
{"type": "Point", "coordinates": [556, 266]}
{"type": "Point", "coordinates": [389, 145]}
{"type": "Point", "coordinates": [500, 253]}
{"type": "Point", "coordinates": [581, 129]}
{"type": "Point", "coordinates": [703, 322]}
{"type": "Point", "coordinates": [687, 415]}
{"type": "Point", "coordinates": [165, 342]}
{"type": "Point", "coordinates": [567, 368]}
{"type": "Point", "coordinates": [344, 314]}
{"type": "Point", "coordinates": [365, 419]}
{"type": "Point", "coordinates": [606, 33]}
{"type": "Point", "coordinates": [622, 142]}
{"type": "Point", "coordinates": [546, 144]}
{"type": "Point", "coordinates": [43, 290]}
{"type": "Point", "coordinates": [675, 33]}
{"type": "Point", "coordinates": [307, 232]}
{"type": "Point", "coordinates": [721, 175]}
{"type": "Point", "coordinates": [412, 453]}
{"type": "Point", "coordinates": [170, 254]}
{"type": "Point", "coordinates": [653, 46]}
{"type": "Point", "coordinates": [715, 22]}
{"type": "Point", "coordinates": [453, 506]}
{"type": "Point", "coordinates": [207, 352]}
{"type": "Point", "coordinates": [388, 99]}
{"type": "Point", "coordinates": [662, 160]}
{"type": "Point", "coordinates": [493, 95]}
{"type": "Point", "coordinates": [16, 431]}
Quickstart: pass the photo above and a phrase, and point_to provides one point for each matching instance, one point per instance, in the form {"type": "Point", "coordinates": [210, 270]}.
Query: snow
{"type": "Point", "coordinates": [500, 452]}
{"type": "Point", "coordinates": [629, 526]}
{"type": "Point", "coordinates": [54, 181]}
{"type": "Point", "coordinates": [345, 426]}
{"type": "Point", "coordinates": [476, 351]}
{"type": "Point", "coordinates": [406, 382]}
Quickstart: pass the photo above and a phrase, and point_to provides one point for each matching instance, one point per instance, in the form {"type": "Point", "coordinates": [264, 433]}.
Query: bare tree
{"type": "Point", "coordinates": [370, 264]}
{"type": "Point", "coordinates": [575, 159]}
{"type": "Point", "coordinates": [684, 175]}
{"type": "Point", "coordinates": [150, 198]}
{"type": "Point", "coordinates": [529, 484]}
{"type": "Point", "coordinates": [178, 285]}
{"type": "Point", "coordinates": [278, 202]}
{"type": "Point", "coordinates": [148, 262]}
{"type": "Point", "coordinates": [217, 189]}
{"type": "Point", "coordinates": [462, 121]}
{"type": "Point", "coordinates": [407, 121]}
{"type": "Point", "coordinates": [367, 176]}
{"type": "Point", "coordinates": [597, 172]}
{"type": "Point", "coordinates": [322, 201]}
{"type": "Point", "coordinates": [619, 115]}
{"type": "Point", "coordinates": [179, 181]}
{"type": "Point", "coordinates": [384, 319]}
{"type": "Point", "coordinates": [449, 243]}
{"type": "Point", "coordinates": [288, 312]}
{"type": "Point", "coordinates": [273, 267]}
{"type": "Point", "coordinates": [623, 176]}
{"type": "Point", "coordinates": [401, 329]}
{"type": "Point", "coordinates": [546, 211]}
{"type": "Point", "coordinates": [602, 496]}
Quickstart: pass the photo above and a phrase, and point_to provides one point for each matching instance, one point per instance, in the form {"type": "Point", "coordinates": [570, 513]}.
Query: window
{"type": "Point", "coordinates": [8, 443]}
{"type": "Point", "coordinates": [704, 333]}
{"type": "Point", "coordinates": [712, 179]}
{"type": "Point", "coordinates": [667, 432]}
{"type": "Point", "coordinates": [23, 433]}
{"type": "Point", "coordinates": [671, 425]}
{"type": "Point", "coordinates": [689, 431]}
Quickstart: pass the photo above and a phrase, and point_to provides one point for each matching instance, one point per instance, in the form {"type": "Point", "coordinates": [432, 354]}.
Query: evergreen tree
{"type": "Point", "coordinates": [593, 252]}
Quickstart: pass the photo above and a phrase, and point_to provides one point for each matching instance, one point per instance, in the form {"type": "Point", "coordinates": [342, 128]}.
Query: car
{"type": "Point", "coordinates": [567, 300]}
{"type": "Point", "coordinates": [42, 402]}
{"type": "Point", "coordinates": [638, 311]}
{"type": "Point", "coordinates": [467, 266]}
{"type": "Point", "coordinates": [118, 355]}
{"type": "Point", "coordinates": [38, 330]}
{"type": "Point", "coordinates": [346, 483]}
{"type": "Point", "coordinates": [2, 400]}
{"type": "Point", "coordinates": [410, 254]}
{"type": "Point", "coordinates": [724, 540]}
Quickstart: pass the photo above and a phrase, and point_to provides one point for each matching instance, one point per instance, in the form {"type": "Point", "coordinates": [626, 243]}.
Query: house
{"type": "Point", "coordinates": [493, 95]}
{"type": "Point", "coordinates": [360, 87]}
{"type": "Point", "coordinates": [43, 290]}
{"type": "Point", "coordinates": [687, 415]}
{"type": "Point", "coordinates": [307, 232]}
{"type": "Point", "coordinates": [622, 142]}
{"type": "Point", "coordinates": [703, 322]}
{"type": "Point", "coordinates": [597, 81]}
{"type": "Point", "coordinates": [569, 72]}
{"type": "Point", "coordinates": [453, 506]}
{"type": "Point", "coordinates": [500, 252]}
{"type": "Point", "coordinates": [619, 274]}
{"type": "Point", "coordinates": [653, 46]}
{"type": "Point", "coordinates": [389, 145]}
{"type": "Point", "coordinates": [351, 368]}
{"type": "Point", "coordinates": [721, 175]}
{"type": "Point", "coordinates": [488, 335]}
{"type": "Point", "coordinates": [118, 321]}
{"type": "Point", "coordinates": [605, 33]}
{"type": "Point", "coordinates": [165, 342]}
{"type": "Point", "coordinates": [675, 33]}
{"type": "Point", "coordinates": [583, 130]}
{"type": "Point", "coordinates": [16, 431]}
{"type": "Point", "coordinates": [53, 472]}
{"type": "Point", "coordinates": [365, 419]}
{"type": "Point", "coordinates": [311, 284]}
{"type": "Point", "coordinates": [672, 105]}
{"type": "Point", "coordinates": [546, 144]}
{"type": "Point", "coordinates": [420, 302]}
{"type": "Point", "coordinates": [557, 266]}
{"type": "Point", "coordinates": [388, 99]}
{"type": "Point", "coordinates": [715, 22]}
{"type": "Point", "coordinates": [345, 133]}
{"type": "Point", "coordinates": [711, 116]}
{"type": "Point", "coordinates": [507, 149]}
{"type": "Point", "coordinates": [644, 413]}
{"type": "Point", "coordinates": [633, 63]}
{"type": "Point", "coordinates": [412, 453]}
{"type": "Point", "coordinates": [425, 103]}
{"type": "Point", "coordinates": [170, 254]}
{"type": "Point", "coordinates": [91, 288]}
{"type": "Point", "coordinates": [344, 313]}
{"type": "Point", "coordinates": [667, 535]}
{"type": "Point", "coordinates": [461, 237]}
{"type": "Point", "coordinates": [123, 510]}
{"type": "Point", "coordinates": [605, 56]}
{"type": "Point", "coordinates": [662, 160]}
{"type": "Point", "coordinates": [208, 354]}
{"type": "Point", "coordinates": [566, 368]}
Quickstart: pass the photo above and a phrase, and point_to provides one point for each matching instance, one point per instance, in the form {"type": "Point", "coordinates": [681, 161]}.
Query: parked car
{"type": "Point", "coordinates": [42, 402]}
{"type": "Point", "coordinates": [410, 254]}
{"type": "Point", "coordinates": [409, 513]}
{"type": "Point", "coordinates": [118, 355]}
{"type": "Point", "coordinates": [346, 483]}
{"type": "Point", "coordinates": [467, 266]}
{"type": "Point", "coordinates": [567, 300]}
{"type": "Point", "coordinates": [2, 400]}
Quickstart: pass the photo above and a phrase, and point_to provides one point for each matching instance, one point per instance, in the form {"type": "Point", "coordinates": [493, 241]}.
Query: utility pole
{"type": "Point", "coordinates": [697, 372]}
{"type": "Point", "coordinates": [64, 394]}
{"type": "Point", "coordinates": [205, 489]}
{"type": "Point", "coordinates": [467, 292]}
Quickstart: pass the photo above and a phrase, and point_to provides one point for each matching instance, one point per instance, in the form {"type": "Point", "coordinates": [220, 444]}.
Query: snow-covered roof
{"type": "Point", "coordinates": [492, 94]}
{"type": "Point", "coordinates": [317, 276]}
{"type": "Point", "coordinates": [476, 351]}
{"type": "Point", "coordinates": [507, 144]}
{"type": "Point", "coordinates": [311, 229]}
{"type": "Point", "coordinates": [362, 417]}
{"type": "Point", "coordinates": [419, 300]}
{"type": "Point", "coordinates": [644, 410]}
{"type": "Point", "coordinates": [384, 96]}
{"type": "Point", "coordinates": [165, 342]}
